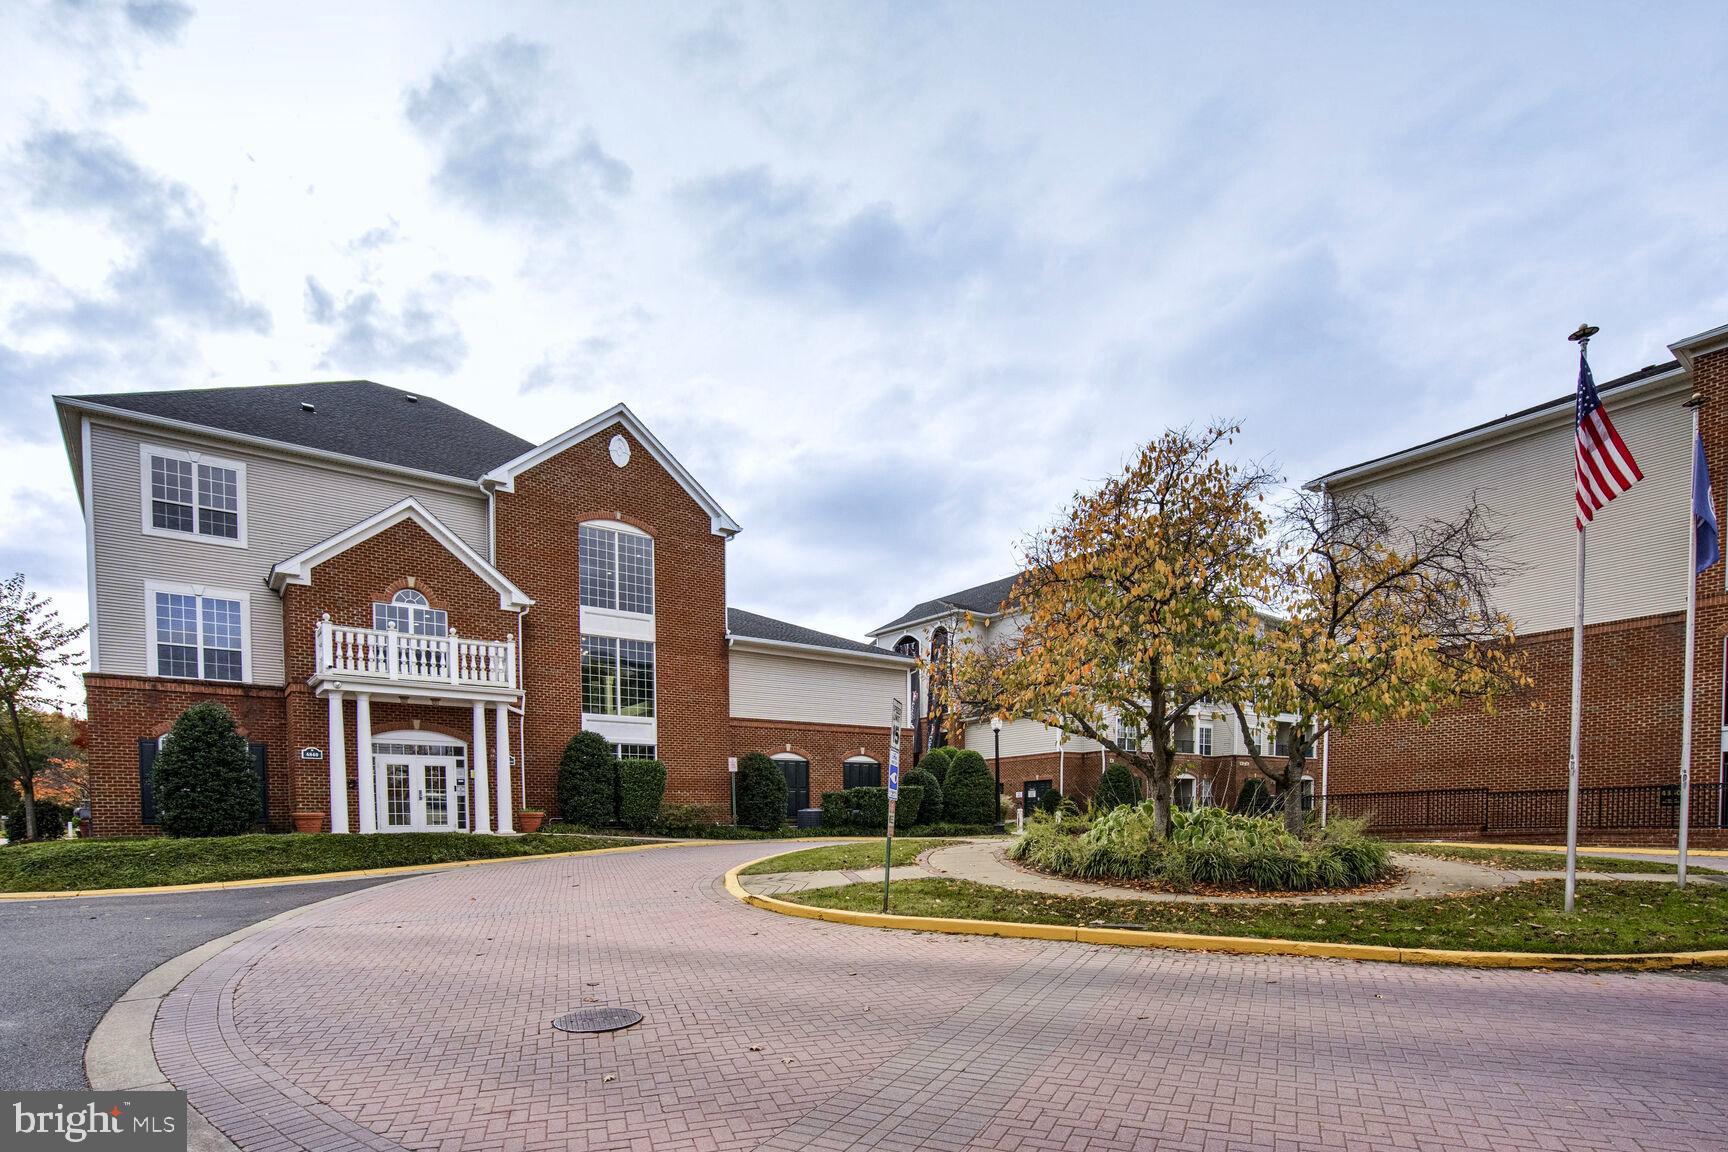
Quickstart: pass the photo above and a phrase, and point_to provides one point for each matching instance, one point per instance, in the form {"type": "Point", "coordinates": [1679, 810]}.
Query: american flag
{"type": "Point", "coordinates": [1605, 464]}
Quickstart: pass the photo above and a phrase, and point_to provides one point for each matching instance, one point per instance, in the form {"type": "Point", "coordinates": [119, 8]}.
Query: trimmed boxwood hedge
{"type": "Point", "coordinates": [587, 781]}
{"type": "Point", "coordinates": [930, 810]}
{"type": "Point", "coordinates": [1117, 787]}
{"type": "Point", "coordinates": [204, 783]}
{"type": "Point", "coordinates": [641, 788]}
{"type": "Point", "coordinates": [51, 818]}
{"type": "Point", "coordinates": [867, 808]}
{"type": "Point", "coordinates": [969, 790]}
{"type": "Point", "coordinates": [761, 793]}
{"type": "Point", "coordinates": [937, 760]}
{"type": "Point", "coordinates": [1050, 800]}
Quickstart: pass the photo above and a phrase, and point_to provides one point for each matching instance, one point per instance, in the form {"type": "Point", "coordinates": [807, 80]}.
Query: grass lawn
{"type": "Point", "coordinates": [1517, 861]}
{"type": "Point", "coordinates": [73, 865]}
{"type": "Point", "coordinates": [1625, 916]}
{"type": "Point", "coordinates": [845, 856]}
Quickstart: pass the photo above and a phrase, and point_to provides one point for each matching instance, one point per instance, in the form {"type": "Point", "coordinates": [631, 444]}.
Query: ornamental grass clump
{"type": "Point", "coordinates": [1208, 848]}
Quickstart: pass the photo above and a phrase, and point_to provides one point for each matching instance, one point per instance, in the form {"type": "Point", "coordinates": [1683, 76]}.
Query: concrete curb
{"type": "Point", "coordinates": [1239, 945]}
{"type": "Point", "coordinates": [1583, 849]}
{"type": "Point", "coordinates": [120, 1055]}
{"type": "Point", "coordinates": [356, 874]}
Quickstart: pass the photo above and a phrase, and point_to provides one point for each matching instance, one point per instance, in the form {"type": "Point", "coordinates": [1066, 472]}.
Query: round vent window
{"type": "Point", "coordinates": [620, 450]}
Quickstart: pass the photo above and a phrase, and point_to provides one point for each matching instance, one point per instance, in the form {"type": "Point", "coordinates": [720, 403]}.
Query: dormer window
{"type": "Point", "coordinates": [191, 494]}
{"type": "Point", "coordinates": [616, 568]}
{"type": "Point", "coordinates": [411, 613]}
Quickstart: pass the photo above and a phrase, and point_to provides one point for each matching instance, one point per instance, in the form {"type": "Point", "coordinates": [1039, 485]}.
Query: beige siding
{"type": "Point", "coordinates": [289, 507]}
{"type": "Point", "coordinates": [1637, 545]}
{"type": "Point", "coordinates": [1025, 738]}
{"type": "Point", "coordinates": [813, 691]}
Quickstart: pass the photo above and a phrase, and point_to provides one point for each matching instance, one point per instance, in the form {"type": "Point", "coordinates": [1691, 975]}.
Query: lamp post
{"type": "Point", "coordinates": [996, 732]}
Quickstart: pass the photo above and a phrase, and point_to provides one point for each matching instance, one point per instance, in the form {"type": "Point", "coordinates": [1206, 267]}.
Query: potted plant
{"type": "Point", "coordinates": [530, 819]}
{"type": "Point", "coordinates": [308, 821]}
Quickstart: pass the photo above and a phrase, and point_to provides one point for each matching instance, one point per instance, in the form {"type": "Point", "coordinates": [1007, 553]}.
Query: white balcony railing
{"type": "Point", "coordinates": [387, 654]}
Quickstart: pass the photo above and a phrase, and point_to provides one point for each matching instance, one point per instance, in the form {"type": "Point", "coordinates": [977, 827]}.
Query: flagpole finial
{"type": "Point", "coordinates": [1585, 331]}
{"type": "Point", "coordinates": [1696, 400]}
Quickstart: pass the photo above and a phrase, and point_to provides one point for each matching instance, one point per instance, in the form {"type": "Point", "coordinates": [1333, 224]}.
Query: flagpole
{"type": "Point", "coordinates": [1582, 339]}
{"type": "Point", "coordinates": [1696, 403]}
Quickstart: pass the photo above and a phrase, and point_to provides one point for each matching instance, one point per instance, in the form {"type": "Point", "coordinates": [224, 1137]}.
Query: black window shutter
{"type": "Point", "coordinates": [147, 781]}
{"type": "Point", "coordinates": [261, 767]}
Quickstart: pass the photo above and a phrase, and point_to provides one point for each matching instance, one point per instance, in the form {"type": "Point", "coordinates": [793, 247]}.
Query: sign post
{"type": "Point", "coordinates": [893, 798]}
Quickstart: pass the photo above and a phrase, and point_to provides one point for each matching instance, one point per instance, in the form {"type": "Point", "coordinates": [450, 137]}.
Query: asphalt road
{"type": "Point", "coordinates": [66, 961]}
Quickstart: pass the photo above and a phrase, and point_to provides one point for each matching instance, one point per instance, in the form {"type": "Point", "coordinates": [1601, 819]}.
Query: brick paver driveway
{"type": "Point", "coordinates": [417, 1014]}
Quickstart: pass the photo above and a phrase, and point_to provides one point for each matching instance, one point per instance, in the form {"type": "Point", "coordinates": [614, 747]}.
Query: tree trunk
{"type": "Point", "coordinates": [1294, 818]}
{"type": "Point", "coordinates": [29, 790]}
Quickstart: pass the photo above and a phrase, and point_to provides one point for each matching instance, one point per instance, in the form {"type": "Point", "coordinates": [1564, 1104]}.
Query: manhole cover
{"type": "Point", "coordinates": [597, 1020]}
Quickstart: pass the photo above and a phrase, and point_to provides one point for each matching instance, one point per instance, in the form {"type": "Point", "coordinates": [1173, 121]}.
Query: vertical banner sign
{"type": "Point", "coordinates": [894, 721]}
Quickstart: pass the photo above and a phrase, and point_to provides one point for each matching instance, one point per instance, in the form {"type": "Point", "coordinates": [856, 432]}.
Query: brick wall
{"type": "Point", "coordinates": [825, 746]}
{"type": "Point", "coordinates": [126, 709]}
{"type": "Point", "coordinates": [536, 533]}
{"type": "Point", "coordinates": [346, 586]}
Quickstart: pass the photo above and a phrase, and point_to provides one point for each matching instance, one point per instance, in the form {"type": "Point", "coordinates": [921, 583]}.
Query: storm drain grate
{"type": "Point", "coordinates": [597, 1020]}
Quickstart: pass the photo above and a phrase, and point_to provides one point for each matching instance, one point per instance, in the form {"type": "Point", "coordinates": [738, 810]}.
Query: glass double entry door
{"type": "Point", "coordinates": [421, 787]}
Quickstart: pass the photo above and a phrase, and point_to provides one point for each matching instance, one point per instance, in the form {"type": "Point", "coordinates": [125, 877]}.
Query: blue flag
{"type": "Point", "coordinates": [1704, 510]}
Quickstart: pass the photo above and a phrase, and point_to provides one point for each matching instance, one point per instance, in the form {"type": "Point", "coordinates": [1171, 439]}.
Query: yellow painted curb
{"type": "Point", "coordinates": [1583, 849]}
{"type": "Point", "coordinates": [354, 874]}
{"type": "Point", "coordinates": [1238, 945]}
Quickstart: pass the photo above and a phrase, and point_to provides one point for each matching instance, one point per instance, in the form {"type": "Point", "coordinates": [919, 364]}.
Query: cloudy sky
{"type": "Point", "coordinates": [892, 280]}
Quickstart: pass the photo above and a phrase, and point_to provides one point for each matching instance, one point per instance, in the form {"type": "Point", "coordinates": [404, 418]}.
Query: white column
{"type": "Point", "coordinates": [506, 799]}
{"type": "Point", "coordinates": [337, 754]}
{"type": "Point", "coordinates": [363, 757]}
{"type": "Point", "coordinates": [482, 785]}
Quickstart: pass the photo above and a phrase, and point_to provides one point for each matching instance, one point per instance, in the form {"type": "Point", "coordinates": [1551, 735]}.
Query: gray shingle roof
{"type": "Point", "coordinates": [351, 417]}
{"type": "Point", "coordinates": [985, 599]}
{"type": "Point", "coordinates": [742, 623]}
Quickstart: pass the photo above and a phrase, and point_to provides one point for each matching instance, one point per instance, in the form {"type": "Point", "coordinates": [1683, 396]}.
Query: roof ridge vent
{"type": "Point", "coordinates": [306, 406]}
{"type": "Point", "coordinates": [411, 398]}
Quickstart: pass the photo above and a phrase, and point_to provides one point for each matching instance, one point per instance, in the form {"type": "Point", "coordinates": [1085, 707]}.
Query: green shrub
{"type": "Point", "coordinates": [1255, 799]}
{"type": "Point", "coordinates": [51, 818]}
{"type": "Point", "coordinates": [866, 809]}
{"type": "Point", "coordinates": [937, 761]}
{"type": "Point", "coordinates": [641, 788]}
{"type": "Point", "coordinates": [1118, 786]}
{"type": "Point", "coordinates": [930, 809]}
{"type": "Point", "coordinates": [686, 818]}
{"type": "Point", "coordinates": [969, 790]}
{"type": "Point", "coordinates": [761, 793]}
{"type": "Point", "coordinates": [1206, 848]}
{"type": "Point", "coordinates": [1050, 801]}
{"type": "Point", "coordinates": [588, 781]}
{"type": "Point", "coordinates": [204, 783]}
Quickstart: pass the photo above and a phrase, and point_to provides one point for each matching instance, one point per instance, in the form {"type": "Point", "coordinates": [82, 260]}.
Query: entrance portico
{"type": "Point", "coordinates": [413, 780]}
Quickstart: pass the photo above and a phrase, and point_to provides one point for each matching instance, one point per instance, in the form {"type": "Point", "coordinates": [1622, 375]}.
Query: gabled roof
{"type": "Point", "coordinates": [297, 569]}
{"type": "Point", "coordinates": [979, 600]}
{"type": "Point", "coordinates": [503, 476]}
{"type": "Point", "coordinates": [354, 418]}
{"type": "Point", "coordinates": [778, 633]}
{"type": "Point", "coordinates": [1490, 427]}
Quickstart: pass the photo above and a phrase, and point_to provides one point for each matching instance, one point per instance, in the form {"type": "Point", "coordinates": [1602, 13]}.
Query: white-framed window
{"type": "Point", "coordinates": [1307, 793]}
{"type": "Point", "coordinates": [196, 632]}
{"type": "Point", "coordinates": [411, 613]}
{"type": "Point", "coordinates": [615, 568]}
{"type": "Point", "coordinates": [634, 751]}
{"type": "Point", "coordinates": [1127, 735]}
{"type": "Point", "coordinates": [192, 495]}
{"type": "Point", "coordinates": [1203, 738]}
{"type": "Point", "coordinates": [617, 677]}
{"type": "Point", "coordinates": [1186, 792]}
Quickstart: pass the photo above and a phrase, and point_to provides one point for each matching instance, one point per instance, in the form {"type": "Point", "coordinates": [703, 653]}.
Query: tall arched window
{"type": "Point", "coordinates": [411, 613]}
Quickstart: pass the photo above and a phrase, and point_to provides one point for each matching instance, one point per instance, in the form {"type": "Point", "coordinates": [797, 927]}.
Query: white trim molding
{"type": "Point", "coordinates": [817, 652]}
{"type": "Point", "coordinates": [197, 459]}
{"type": "Point", "coordinates": [1688, 350]}
{"type": "Point", "coordinates": [503, 478]}
{"type": "Point", "coordinates": [298, 569]}
{"type": "Point", "coordinates": [87, 496]}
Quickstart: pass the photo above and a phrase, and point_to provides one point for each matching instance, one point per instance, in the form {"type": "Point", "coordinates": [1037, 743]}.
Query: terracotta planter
{"type": "Point", "coordinates": [308, 821]}
{"type": "Point", "coordinates": [530, 821]}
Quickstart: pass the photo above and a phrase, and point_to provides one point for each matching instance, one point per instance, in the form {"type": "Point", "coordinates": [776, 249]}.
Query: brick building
{"type": "Point", "coordinates": [1504, 773]}
{"type": "Point", "coordinates": [410, 611]}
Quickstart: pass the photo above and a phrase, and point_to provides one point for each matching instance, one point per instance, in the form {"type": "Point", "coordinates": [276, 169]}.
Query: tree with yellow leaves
{"type": "Point", "coordinates": [1379, 619]}
{"type": "Point", "coordinates": [1135, 606]}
